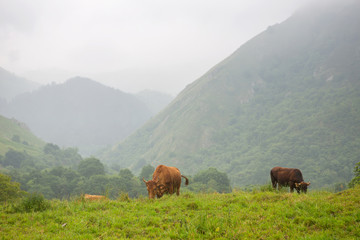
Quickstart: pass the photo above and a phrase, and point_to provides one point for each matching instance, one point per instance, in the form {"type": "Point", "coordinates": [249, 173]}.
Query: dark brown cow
{"type": "Point", "coordinates": [165, 180]}
{"type": "Point", "coordinates": [291, 177]}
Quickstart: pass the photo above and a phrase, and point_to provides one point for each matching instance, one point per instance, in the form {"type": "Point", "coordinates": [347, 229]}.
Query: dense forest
{"type": "Point", "coordinates": [63, 173]}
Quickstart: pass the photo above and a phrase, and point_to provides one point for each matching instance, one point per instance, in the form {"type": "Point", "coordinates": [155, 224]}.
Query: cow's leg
{"type": "Point", "coordinates": [273, 181]}
{"type": "Point", "coordinates": [291, 184]}
{"type": "Point", "coordinates": [171, 189]}
{"type": "Point", "coordinates": [273, 184]}
{"type": "Point", "coordinates": [178, 191]}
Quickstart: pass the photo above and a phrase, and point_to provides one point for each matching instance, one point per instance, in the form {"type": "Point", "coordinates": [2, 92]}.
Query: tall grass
{"type": "Point", "coordinates": [237, 215]}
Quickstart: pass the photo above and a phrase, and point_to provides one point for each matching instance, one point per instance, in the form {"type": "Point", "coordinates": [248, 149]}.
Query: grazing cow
{"type": "Point", "coordinates": [165, 180]}
{"type": "Point", "coordinates": [291, 177]}
{"type": "Point", "coordinates": [93, 197]}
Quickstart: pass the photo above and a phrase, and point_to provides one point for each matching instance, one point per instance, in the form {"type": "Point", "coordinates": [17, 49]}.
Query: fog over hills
{"type": "Point", "coordinates": [288, 97]}
{"type": "Point", "coordinates": [12, 85]}
{"type": "Point", "coordinates": [79, 113]}
{"type": "Point", "coordinates": [154, 100]}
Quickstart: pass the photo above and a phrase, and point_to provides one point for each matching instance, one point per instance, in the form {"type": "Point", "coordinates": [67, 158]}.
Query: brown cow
{"type": "Point", "coordinates": [165, 180]}
{"type": "Point", "coordinates": [93, 197]}
{"type": "Point", "coordinates": [291, 177]}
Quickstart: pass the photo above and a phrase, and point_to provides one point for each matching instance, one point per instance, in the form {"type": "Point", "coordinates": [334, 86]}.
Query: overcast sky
{"type": "Point", "coordinates": [129, 44]}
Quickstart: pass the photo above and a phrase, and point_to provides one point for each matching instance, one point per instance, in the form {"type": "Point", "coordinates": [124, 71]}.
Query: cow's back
{"type": "Point", "coordinates": [168, 176]}
{"type": "Point", "coordinates": [284, 175]}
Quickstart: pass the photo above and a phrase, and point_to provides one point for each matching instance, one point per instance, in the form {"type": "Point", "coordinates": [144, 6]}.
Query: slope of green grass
{"type": "Point", "coordinates": [238, 215]}
{"type": "Point", "coordinates": [15, 135]}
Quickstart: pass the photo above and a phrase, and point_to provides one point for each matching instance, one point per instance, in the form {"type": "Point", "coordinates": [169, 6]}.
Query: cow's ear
{"type": "Point", "coordinates": [308, 183]}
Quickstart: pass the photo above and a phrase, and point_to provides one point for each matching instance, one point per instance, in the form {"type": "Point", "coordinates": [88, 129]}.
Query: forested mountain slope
{"type": "Point", "coordinates": [289, 97]}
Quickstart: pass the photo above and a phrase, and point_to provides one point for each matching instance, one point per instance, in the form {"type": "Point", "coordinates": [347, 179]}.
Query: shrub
{"type": "Point", "coordinates": [9, 190]}
{"type": "Point", "coordinates": [35, 202]}
{"type": "Point", "coordinates": [124, 197]}
{"type": "Point", "coordinates": [356, 179]}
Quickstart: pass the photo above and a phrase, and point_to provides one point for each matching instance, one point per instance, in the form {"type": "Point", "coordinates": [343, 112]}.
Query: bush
{"type": "Point", "coordinates": [356, 179]}
{"type": "Point", "coordinates": [34, 202]}
{"type": "Point", "coordinates": [124, 197]}
{"type": "Point", "coordinates": [211, 180]}
{"type": "Point", "coordinates": [9, 190]}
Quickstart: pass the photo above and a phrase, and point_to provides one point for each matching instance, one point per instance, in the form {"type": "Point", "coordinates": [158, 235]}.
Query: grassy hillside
{"type": "Point", "coordinates": [23, 155]}
{"type": "Point", "coordinates": [288, 97]}
{"type": "Point", "coordinates": [15, 135]}
{"type": "Point", "coordinates": [238, 215]}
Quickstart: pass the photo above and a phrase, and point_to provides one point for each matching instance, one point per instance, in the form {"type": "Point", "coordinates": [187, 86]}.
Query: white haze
{"type": "Point", "coordinates": [130, 44]}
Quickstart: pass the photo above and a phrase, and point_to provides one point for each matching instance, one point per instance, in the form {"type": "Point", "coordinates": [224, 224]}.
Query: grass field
{"type": "Point", "coordinates": [238, 215]}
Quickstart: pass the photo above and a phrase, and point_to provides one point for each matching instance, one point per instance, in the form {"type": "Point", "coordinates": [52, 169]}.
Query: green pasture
{"type": "Point", "coordinates": [236, 215]}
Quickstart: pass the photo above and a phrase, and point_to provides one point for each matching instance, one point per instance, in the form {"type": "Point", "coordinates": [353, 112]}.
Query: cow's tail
{"type": "Point", "coordinates": [187, 180]}
{"type": "Point", "coordinates": [273, 179]}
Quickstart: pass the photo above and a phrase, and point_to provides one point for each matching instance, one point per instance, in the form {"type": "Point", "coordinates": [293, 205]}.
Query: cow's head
{"type": "Point", "coordinates": [152, 188]}
{"type": "Point", "coordinates": [161, 189]}
{"type": "Point", "coordinates": [302, 186]}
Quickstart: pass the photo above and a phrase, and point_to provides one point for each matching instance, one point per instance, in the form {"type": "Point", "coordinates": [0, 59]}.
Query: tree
{"type": "Point", "coordinates": [214, 180]}
{"type": "Point", "coordinates": [96, 184]}
{"type": "Point", "coordinates": [356, 179]}
{"type": "Point", "coordinates": [91, 167]}
{"type": "Point", "coordinates": [14, 158]}
{"type": "Point", "coordinates": [115, 186]}
{"type": "Point", "coordinates": [126, 174]}
{"type": "Point", "coordinates": [68, 180]}
{"type": "Point", "coordinates": [8, 189]}
{"type": "Point", "coordinates": [147, 172]}
{"type": "Point", "coordinates": [50, 148]}
{"type": "Point", "coordinates": [64, 157]}
{"type": "Point", "coordinates": [130, 182]}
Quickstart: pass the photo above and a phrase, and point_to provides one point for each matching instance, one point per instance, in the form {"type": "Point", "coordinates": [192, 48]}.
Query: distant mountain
{"type": "Point", "coordinates": [155, 101]}
{"type": "Point", "coordinates": [288, 97]}
{"type": "Point", "coordinates": [79, 113]}
{"type": "Point", "coordinates": [12, 85]}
